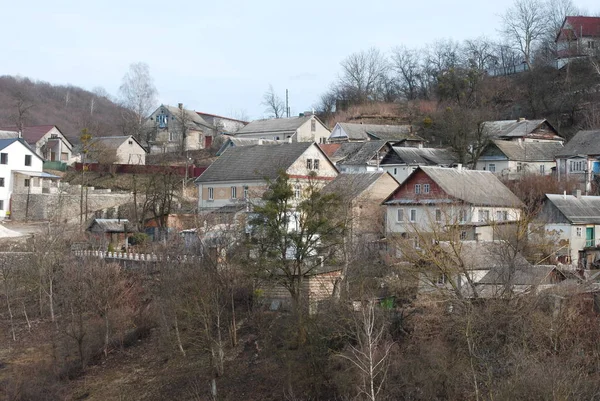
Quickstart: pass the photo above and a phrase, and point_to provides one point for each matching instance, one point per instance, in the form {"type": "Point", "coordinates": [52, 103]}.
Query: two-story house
{"type": "Point", "coordinates": [46, 140]}
{"type": "Point", "coordinates": [511, 159]}
{"type": "Point", "coordinates": [574, 221]}
{"type": "Point", "coordinates": [579, 36]}
{"type": "Point", "coordinates": [172, 129]}
{"type": "Point", "coordinates": [304, 128]}
{"type": "Point", "coordinates": [433, 198]}
{"type": "Point", "coordinates": [579, 160]}
{"type": "Point", "coordinates": [240, 174]}
{"type": "Point", "coordinates": [350, 132]}
{"type": "Point", "coordinates": [21, 171]}
{"type": "Point", "coordinates": [401, 161]}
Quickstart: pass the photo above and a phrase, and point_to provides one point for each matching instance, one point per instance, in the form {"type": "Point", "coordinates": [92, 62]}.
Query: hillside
{"type": "Point", "coordinates": [69, 107]}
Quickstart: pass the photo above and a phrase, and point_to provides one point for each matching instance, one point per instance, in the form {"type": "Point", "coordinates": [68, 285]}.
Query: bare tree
{"type": "Point", "coordinates": [362, 73]}
{"type": "Point", "coordinates": [407, 65]}
{"type": "Point", "coordinates": [139, 96]}
{"type": "Point", "coordinates": [524, 25]}
{"type": "Point", "coordinates": [22, 107]}
{"type": "Point", "coordinates": [275, 107]}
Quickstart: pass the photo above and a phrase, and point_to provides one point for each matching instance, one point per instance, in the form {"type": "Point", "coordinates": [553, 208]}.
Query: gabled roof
{"type": "Point", "coordinates": [475, 187]}
{"type": "Point", "coordinates": [254, 162]}
{"type": "Point", "coordinates": [518, 275]}
{"type": "Point", "coordinates": [4, 143]}
{"type": "Point", "coordinates": [527, 151]}
{"type": "Point", "coordinates": [353, 185]}
{"type": "Point", "coordinates": [113, 142]}
{"type": "Point", "coordinates": [233, 141]}
{"type": "Point", "coordinates": [110, 225]}
{"type": "Point", "coordinates": [193, 117]}
{"type": "Point", "coordinates": [583, 143]}
{"type": "Point", "coordinates": [201, 114]}
{"type": "Point", "coordinates": [35, 133]}
{"type": "Point", "coordinates": [514, 128]}
{"type": "Point", "coordinates": [482, 255]}
{"type": "Point", "coordinates": [578, 210]}
{"type": "Point", "coordinates": [365, 132]}
{"type": "Point", "coordinates": [580, 26]}
{"type": "Point", "coordinates": [358, 153]}
{"type": "Point", "coordinates": [421, 156]}
{"type": "Point", "coordinates": [279, 125]}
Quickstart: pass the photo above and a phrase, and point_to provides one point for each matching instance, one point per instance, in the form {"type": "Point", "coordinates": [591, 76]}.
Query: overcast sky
{"type": "Point", "coordinates": [220, 56]}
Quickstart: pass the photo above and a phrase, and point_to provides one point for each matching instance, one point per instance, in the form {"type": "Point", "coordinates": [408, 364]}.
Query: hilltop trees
{"type": "Point", "coordinates": [139, 96]}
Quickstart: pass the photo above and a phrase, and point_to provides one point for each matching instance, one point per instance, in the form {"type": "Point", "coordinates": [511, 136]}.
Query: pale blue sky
{"type": "Point", "coordinates": [220, 56]}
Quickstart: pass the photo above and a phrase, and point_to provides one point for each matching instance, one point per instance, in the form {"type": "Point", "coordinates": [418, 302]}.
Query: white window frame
{"type": "Point", "coordinates": [579, 232]}
{"type": "Point", "coordinates": [425, 188]}
{"type": "Point", "coordinates": [1, 182]}
{"type": "Point", "coordinates": [297, 191]}
{"type": "Point", "coordinates": [28, 160]}
{"type": "Point", "coordinates": [417, 189]}
{"type": "Point", "coordinates": [211, 193]}
{"type": "Point", "coordinates": [315, 164]}
{"type": "Point", "coordinates": [438, 215]}
{"type": "Point", "coordinates": [491, 167]}
{"type": "Point", "coordinates": [483, 215]}
{"type": "Point", "coordinates": [400, 215]}
{"type": "Point", "coordinates": [233, 192]}
{"type": "Point", "coordinates": [413, 215]}
{"type": "Point", "coordinates": [245, 191]}
{"type": "Point", "coordinates": [542, 169]}
{"type": "Point", "coordinates": [309, 164]}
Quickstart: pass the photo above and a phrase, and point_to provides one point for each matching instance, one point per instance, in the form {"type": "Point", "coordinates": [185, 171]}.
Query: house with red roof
{"type": "Point", "coordinates": [579, 36]}
{"type": "Point", "coordinates": [47, 141]}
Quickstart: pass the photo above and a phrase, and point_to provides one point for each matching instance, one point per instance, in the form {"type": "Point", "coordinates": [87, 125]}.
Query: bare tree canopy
{"type": "Point", "coordinates": [139, 96]}
{"type": "Point", "coordinates": [362, 74]}
{"type": "Point", "coordinates": [275, 107]}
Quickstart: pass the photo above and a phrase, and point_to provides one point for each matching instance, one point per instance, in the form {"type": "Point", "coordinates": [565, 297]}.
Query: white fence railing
{"type": "Point", "coordinates": [138, 257]}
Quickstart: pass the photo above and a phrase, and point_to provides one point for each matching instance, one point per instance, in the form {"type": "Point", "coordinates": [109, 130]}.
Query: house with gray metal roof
{"type": "Point", "coordinates": [240, 174]}
{"type": "Point", "coordinates": [435, 197]}
{"type": "Point", "coordinates": [512, 159]}
{"type": "Point", "coordinates": [522, 130]}
{"type": "Point", "coordinates": [580, 158]}
{"type": "Point", "coordinates": [360, 157]}
{"type": "Point", "coordinates": [396, 134]}
{"type": "Point", "coordinates": [304, 128]}
{"type": "Point", "coordinates": [574, 222]}
{"type": "Point", "coordinates": [401, 161]}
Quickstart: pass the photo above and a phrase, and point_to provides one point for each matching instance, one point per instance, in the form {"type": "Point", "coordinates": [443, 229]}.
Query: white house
{"type": "Point", "coordinates": [117, 150]}
{"type": "Point", "coordinates": [304, 128]}
{"type": "Point", "coordinates": [46, 140]}
{"type": "Point", "coordinates": [580, 158]}
{"type": "Point", "coordinates": [21, 171]}
{"type": "Point", "coordinates": [432, 198]}
{"type": "Point", "coordinates": [401, 161]}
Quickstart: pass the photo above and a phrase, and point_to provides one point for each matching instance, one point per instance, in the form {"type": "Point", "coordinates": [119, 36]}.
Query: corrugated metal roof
{"type": "Point", "coordinates": [580, 26]}
{"type": "Point", "coordinates": [358, 153]}
{"type": "Point", "coordinates": [110, 225]}
{"type": "Point", "coordinates": [352, 185]}
{"type": "Point", "coordinates": [273, 125]}
{"type": "Point", "coordinates": [578, 210]}
{"type": "Point", "coordinates": [233, 142]}
{"type": "Point", "coordinates": [518, 275]}
{"type": "Point", "coordinates": [191, 116]}
{"type": "Point", "coordinates": [585, 142]}
{"type": "Point", "coordinates": [254, 162]}
{"type": "Point", "coordinates": [472, 186]}
{"type": "Point", "coordinates": [384, 132]}
{"type": "Point", "coordinates": [528, 151]}
{"type": "Point", "coordinates": [425, 156]}
{"type": "Point", "coordinates": [512, 128]}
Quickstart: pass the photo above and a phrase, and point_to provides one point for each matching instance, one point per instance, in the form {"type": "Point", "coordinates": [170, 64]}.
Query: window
{"type": "Point", "coordinates": [519, 167]}
{"type": "Point", "coordinates": [1, 181]}
{"type": "Point", "coordinates": [492, 167]}
{"type": "Point", "coordinates": [577, 166]}
{"type": "Point", "coordinates": [297, 191]}
{"type": "Point", "coordinates": [463, 235]}
{"type": "Point", "coordinates": [211, 193]}
{"type": "Point", "coordinates": [313, 125]}
{"type": "Point", "coordinates": [27, 182]}
{"type": "Point", "coordinates": [131, 142]}
{"type": "Point", "coordinates": [309, 164]}
{"type": "Point", "coordinates": [413, 215]}
{"type": "Point", "coordinates": [3, 158]}
{"type": "Point", "coordinates": [395, 171]}
{"type": "Point", "coordinates": [438, 215]}
{"type": "Point", "coordinates": [442, 278]}
{"type": "Point", "coordinates": [462, 215]}
{"type": "Point", "coordinates": [417, 189]}
{"type": "Point", "coordinates": [425, 188]}
{"type": "Point", "coordinates": [542, 169]}
{"type": "Point", "coordinates": [1, 205]}
{"type": "Point", "coordinates": [316, 164]}
{"type": "Point", "coordinates": [579, 232]}
{"type": "Point", "coordinates": [400, 215]}
{"type": "Point", "coordinates": [591, 44]}
{"type": "Point", "coordinates": [245, 192]}
{"type": "Point", "coordinates": [28, 160]}
{"type": "Point", "coordinates": [484, 215]}
{"type": "Point", "coordinates": [233, 192]}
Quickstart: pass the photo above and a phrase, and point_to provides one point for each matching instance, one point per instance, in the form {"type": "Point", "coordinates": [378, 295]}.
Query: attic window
{"type": "Point", "coordinates": [313, 123]}
{"type": "Point", "coordinates": [309, 164]}
{"type": "Point", "coordinates": [131, 142]}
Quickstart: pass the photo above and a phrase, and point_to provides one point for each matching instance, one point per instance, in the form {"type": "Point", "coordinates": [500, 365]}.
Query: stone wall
{"type": "Point", "coordinates": [65, 206]}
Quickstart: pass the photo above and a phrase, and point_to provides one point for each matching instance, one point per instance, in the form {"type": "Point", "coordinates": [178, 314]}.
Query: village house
{"type": "Point", "coordinates": [521, 130]}
{"type": "Point", "coordinates": [349, 132]}
{"type": "Point", "coordinates": [357, 157]}
{"type": "Point", "coordinates": [115, 150]}
{"type": "Point", "coordinates": [579, 160]}
{"type": "Point", "coordinates": [579, 36]}
{"type": "Point", "coordinates": [573, 222]}
{"type": "Point", "coordinates": [47, 141]}
{"type": "Point", "coordinates": [173, 129]}
{"type": "Point", "coordinates": [433, 198]}
{"type": "Point", "coordinates": [304, 128]}
{"type": "Point", "coordinates": [223, 125]}
{"type": "Point", "coordinates": [240, 174]}
{"type": "Point", "coordinates": [109, 233]}
{"type": "Point", "coordinates": [362, 195]}
{"type": "Point", "coordinates": [401, 161]}
{"type": "Point", "coordinates": [232, 141]}
{"type": "Point", "coordinates": [21, 171]}
{"type": "Point", "coordinates": [512, 159]}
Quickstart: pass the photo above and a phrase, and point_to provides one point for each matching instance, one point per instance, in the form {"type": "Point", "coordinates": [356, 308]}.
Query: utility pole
{"type": "Point", "coordinates": [287, 104]}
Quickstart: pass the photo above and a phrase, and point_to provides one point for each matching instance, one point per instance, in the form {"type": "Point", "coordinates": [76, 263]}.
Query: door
{"type": "Point", "coordinates": [589, 237]}
{"type": "Point", "coordinates": [207, 142]}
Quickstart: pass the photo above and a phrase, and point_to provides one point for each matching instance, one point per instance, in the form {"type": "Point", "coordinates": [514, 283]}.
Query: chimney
{"type": "Point", "coordinates": [577, 193]}
{"type": "Point", "coordinates": [459, 166]}
{"type": "Point", "coordinates": [260, 141]}
{"type": "Point", "coordinates": [565, 195]}
{"type": "Point", "coordinates": [521, 119]}
{"type": "Point", "coordinates": [290, 139]}
{"type": "Point", "coordinates": [180, 105]}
